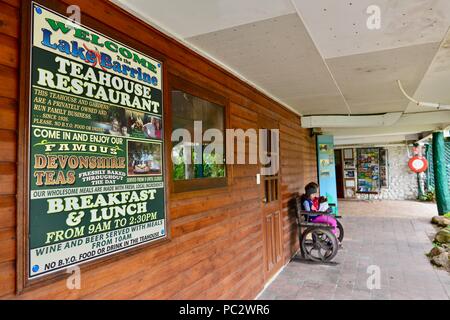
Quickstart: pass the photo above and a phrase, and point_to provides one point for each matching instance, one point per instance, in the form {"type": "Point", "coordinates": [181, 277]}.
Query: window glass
{"type": "Point", "coordinates": [186, 109]}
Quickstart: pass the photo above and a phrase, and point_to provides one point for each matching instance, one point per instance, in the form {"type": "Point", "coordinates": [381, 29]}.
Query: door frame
{"type": "Point", "coordinates": [339, 168]}
{"type": "Point", "coordinates": [274, 207]}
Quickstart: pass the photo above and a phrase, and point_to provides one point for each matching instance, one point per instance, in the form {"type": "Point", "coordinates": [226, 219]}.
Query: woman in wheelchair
{"type": "Point", "coordinates": [312, 203]}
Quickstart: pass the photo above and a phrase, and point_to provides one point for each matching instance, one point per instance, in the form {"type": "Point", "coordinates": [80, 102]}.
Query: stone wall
{"type": "Point", "coordinates": [402, 181]}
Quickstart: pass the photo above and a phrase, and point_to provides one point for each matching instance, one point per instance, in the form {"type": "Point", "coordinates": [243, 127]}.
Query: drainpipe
{"type": "Point", "coordinates": [418, 152]}
{"type": "Point", "coordinates": [437, 106]}
{"type": "Point", "coordinates": [440, 174]}
{"type": "Point", "coordinates": [419, 186]}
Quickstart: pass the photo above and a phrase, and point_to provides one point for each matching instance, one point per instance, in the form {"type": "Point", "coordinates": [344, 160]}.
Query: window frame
{"type": "Point", "coordinates": [196, 185]}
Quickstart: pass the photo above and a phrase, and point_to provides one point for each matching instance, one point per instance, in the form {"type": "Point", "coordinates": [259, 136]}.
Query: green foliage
{"type": "Point", "coordinates": [447, 215]}
{"type": "Point", "coordinates": [212, 167]}
{"type": "Point", "coordinates": [178, 171]}
{"type": "Point", "coordinates": [428, 196]}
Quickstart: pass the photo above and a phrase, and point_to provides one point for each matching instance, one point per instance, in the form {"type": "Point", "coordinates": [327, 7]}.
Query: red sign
{"type": "Point", "coordinates": [418, 164]}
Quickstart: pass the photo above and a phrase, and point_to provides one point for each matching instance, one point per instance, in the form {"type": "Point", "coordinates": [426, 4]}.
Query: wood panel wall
{"type": "Point", "coordinates": [216, 247]}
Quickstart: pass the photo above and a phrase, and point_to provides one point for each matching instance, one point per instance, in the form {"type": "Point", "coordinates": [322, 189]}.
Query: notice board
{"type": "Point", "coordinates": [95, 146]}
{"type": "Point", "coordinates": [368, 166]}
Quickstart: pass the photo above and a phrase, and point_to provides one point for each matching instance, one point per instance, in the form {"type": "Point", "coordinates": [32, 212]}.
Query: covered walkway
{"type": "Point", "coordinates": [393, 235]}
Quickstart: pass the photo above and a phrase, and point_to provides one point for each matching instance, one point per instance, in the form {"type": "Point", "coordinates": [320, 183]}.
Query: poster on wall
{"type": "Point", "coordinates": [368, 170]}
{"type": "Point", "coordinates": [96, 183]}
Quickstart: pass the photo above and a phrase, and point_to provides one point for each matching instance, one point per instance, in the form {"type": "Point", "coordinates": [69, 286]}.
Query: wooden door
{"type": "Point", "coordinates": [339, 173]}
{"type": "Point", "coordinates": [271, 209]}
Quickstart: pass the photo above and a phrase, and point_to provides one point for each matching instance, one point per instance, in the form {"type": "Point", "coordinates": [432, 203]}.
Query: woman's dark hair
{"type": "Point", "coordinates": [311, 185]}
{"type": "Point", "coordinates": [310, 188]}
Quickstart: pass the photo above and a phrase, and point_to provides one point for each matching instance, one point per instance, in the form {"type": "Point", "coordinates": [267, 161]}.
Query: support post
{"type": "Point", "coordinates": [419, 187]}
{"type": "Point", "coordinates": [440, 174]}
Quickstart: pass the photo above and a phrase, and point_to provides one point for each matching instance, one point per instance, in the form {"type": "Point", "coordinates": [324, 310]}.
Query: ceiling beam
{"type": "Point", "coordinates": [373, 140]}
{"type": "Point", "coordinates": [377, 132]}
{"type": "Point", "coordinates": [383, 120]}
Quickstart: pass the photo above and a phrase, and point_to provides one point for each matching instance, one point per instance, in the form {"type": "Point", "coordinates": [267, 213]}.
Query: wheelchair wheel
{"type": "Point", "coordinates": [339, 231]}
{"type": "Point", "coordinates": [319, 244]}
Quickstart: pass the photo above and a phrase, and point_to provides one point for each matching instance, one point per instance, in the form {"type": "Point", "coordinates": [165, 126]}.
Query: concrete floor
{"type": "Point", "coordinates": [393, 236]}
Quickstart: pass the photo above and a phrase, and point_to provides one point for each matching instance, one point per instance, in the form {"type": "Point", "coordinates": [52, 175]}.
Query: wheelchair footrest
{"type": "Point", "coordinates": [312, 224]}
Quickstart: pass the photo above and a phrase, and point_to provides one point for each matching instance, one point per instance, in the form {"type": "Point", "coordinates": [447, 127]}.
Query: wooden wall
{"type": "Point", "coordinates": [9, 83]}
{"type": "Point", "coordinates": [216, 247]}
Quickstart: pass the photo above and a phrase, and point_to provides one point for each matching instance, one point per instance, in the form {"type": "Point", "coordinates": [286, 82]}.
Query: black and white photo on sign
{"type": "Point", "coordinates": [348, 154]}
{"type": "Point", "coordinates": [350, 183]}
{"type": "Point", "coordinates": [349, 173]}
{"type": "Point", "coordinates": [349, 164]}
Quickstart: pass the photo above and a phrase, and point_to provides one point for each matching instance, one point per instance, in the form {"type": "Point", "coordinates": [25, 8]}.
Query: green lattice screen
{"type": "Point", "coordinates": [430, 171]}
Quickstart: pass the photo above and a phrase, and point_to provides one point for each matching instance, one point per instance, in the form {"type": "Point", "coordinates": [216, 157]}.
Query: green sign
{"type": "Point", "coordinates": [96, 146]}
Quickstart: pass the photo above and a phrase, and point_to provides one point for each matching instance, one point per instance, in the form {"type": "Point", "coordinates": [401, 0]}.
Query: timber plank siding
{"type": "Point", "coordinates": [216, 244]}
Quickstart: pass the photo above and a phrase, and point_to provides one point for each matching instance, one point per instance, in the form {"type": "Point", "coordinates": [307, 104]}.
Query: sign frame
{"type": "Point", "coordinates": [23, 281]}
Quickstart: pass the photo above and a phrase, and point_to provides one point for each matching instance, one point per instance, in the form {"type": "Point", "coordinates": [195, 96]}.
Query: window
{"type": "Point", "coordinates": [198, 156]}
{"type": "Point", "coordinates": [270, 182]}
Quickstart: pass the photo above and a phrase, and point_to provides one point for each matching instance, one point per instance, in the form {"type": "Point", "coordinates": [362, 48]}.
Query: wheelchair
{"type": "Point", "coordinates": [317, 242]}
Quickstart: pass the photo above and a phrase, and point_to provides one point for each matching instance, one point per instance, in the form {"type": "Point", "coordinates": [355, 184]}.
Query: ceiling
{"type": "Point", "coordinates": [319, 57]}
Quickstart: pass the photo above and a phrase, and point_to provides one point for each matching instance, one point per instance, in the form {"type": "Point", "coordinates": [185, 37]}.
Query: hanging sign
{"type": "Point", "coordinates": [96, 184]}
{"type": "Point", "coordinates": [418, 164]}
